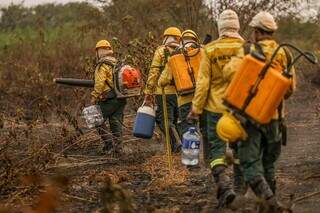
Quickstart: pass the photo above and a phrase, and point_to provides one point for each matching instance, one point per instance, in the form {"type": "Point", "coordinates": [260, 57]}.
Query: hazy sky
{"type": "Point", "coordinates": [309, 11]}
{"type": "Point", "coordinates": [34, 2]}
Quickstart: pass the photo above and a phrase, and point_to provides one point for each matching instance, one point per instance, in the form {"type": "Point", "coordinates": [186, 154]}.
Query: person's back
{"type": "Point", "coordinates": [262, 148]}
{"type": "Point", "coordinates": [104, 95]}
{"type": "Point", "coordinates": [217, 53]}
{"type": "Point", "coordinates": [153, 92]}
{"type": "Point", "coordinates": [211, 85]}
{"type": "Point", "coordinates": [190, 42]}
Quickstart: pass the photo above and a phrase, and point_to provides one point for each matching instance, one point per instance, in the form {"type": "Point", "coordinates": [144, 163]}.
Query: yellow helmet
{"type": "Point", "coordinates": [190, 33]}
{"type": "Point", "coordinates": [172, 31]}
{"type": "Point", "coordinates": [103, 44]}
{"type": "Point", "coordinates": [229, 129]}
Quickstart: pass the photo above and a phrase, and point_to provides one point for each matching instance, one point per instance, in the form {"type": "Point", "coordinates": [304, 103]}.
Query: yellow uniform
{"type": "Point", "coordinates": [103, 78]}
{"type": "Point", "coordinates": [111, 107]}
{"type": "Point", "coordinates": [158, 64]}
{"type": "Point", "coordinates": [213, 80]}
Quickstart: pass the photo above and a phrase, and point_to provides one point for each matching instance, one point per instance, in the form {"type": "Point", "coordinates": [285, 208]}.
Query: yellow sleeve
{"type": "Point", "coordinates": [203, 84]}
{"type": "Point", "coordinates": [154, 72]}
{"type": "Point", "coordinates": [293, 85]}
{"type": "Point", "coordinates": [165, 77]}
{"type": "Point", "coordinates": [102, 75]}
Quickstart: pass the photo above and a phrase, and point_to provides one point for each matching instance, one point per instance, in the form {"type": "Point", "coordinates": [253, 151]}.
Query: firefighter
{"type": "Point", "coordinates": [211, 85]}
{"type": "Point", "coordinates": [104, 95]}
{"type": "Point", "coordinates": [171, 39]}
{"type": "Point", "coordinates": [262, 148]}
{"type": "Point", "coordinates": [190, 41]}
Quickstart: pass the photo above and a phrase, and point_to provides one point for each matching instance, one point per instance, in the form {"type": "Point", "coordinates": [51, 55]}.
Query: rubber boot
{"type": "Point", "coordinates": [117, 145]}
{"type": "Point", "coordinates": [106, 139]}
{"type": "Point", "coordinates": [175, 145]}
{"type": "Point", "coordinates": [225, 193]}
{"type": "Point", "coordinates": [262, 190]}
{"type": "Point", "coordinates": [240, 187]}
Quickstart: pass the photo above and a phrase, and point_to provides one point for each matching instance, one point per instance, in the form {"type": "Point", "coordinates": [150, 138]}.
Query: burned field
{"type": "Point", "coordinates": [57, 164]}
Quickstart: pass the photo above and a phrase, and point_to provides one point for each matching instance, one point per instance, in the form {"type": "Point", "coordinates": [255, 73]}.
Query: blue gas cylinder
{"type": "Point", "coordinates": [145, 122]}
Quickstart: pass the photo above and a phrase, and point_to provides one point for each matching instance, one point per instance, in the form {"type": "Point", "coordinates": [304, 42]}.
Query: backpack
{"type": "Point", "coordinates": [126, 79]}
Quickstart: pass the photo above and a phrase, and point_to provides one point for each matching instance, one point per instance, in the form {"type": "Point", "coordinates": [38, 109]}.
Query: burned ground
{"type": "Point", "coordinates": [58, 165]}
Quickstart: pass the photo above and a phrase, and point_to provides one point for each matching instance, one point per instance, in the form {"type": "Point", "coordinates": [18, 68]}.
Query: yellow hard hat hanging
{"type": "Point", "coordinates": [229, 129]}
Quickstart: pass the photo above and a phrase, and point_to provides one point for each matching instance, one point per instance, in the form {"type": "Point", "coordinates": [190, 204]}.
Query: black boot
{"type": "Point", "coordinates": [262, 190]}
{"type": "Point", "coordinates": [107, 148]}
{"type": "Point", "coordinates": [240, 187]}
{"type": "Point", "coordinates": [225, 193]}
{"type": "Point", "coordinates": [175, 145]}
{"type": "Point", "coordinates": [105, 138]}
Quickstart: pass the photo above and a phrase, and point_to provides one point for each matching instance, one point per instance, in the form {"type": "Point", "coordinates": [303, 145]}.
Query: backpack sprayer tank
{"type": "Point", "coordinates": [129, 82]}
{"type": "Point", "coordinates": [184, 67]}
{"type": "Point", "coordinates": [258, 87]}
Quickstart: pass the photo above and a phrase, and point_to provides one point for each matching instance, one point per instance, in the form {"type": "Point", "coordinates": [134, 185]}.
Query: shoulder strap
{"type": "Point", "coordinates": [166, 55]}
{"type": "Point", "coordinates": [247, 48]}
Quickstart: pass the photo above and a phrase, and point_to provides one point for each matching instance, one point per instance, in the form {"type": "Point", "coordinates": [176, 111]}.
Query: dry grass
{"type": "Point", "coordinates": [161, 177]}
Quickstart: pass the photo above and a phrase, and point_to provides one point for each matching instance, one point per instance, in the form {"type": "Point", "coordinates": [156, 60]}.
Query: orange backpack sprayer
{"type": "Point", "coordinates": [184, 67]}
{"type": "Point", "coordinates": [258, 87]}
{"type": "Point", "coordinates": [129, 82]}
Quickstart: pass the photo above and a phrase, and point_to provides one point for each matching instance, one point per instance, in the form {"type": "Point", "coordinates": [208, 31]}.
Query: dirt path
{"type": "Point", "coordinates": [299, 166]}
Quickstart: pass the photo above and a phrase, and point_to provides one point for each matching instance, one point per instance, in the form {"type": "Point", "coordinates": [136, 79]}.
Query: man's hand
{"type": "Point", "coordinates": [192, 116]}
{"type": "Point", "coordinates": [149, 100]}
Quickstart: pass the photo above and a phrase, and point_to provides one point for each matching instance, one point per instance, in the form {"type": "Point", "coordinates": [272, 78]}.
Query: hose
{"type": "Point", "coordinates": [308, 55]}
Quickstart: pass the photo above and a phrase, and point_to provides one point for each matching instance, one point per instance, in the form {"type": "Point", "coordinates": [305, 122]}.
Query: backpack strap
{"type": "Point", "coordinates": [247, 48]}
{"type": "Point", "coordinates": [166, 53]}
{"type": "Point", "coordinates": [100, 63]}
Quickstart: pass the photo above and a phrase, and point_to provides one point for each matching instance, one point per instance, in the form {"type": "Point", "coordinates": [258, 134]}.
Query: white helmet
{"type": "Point", "coordinates": [264, 21]}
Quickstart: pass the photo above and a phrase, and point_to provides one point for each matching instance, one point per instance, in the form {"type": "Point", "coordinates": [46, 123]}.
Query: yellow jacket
{"type": "Point", "coordinates": [103, 78]}
{"type": "Point", "coordinates": [158, 64]}
{"type": "Point", "coordinates": [212, 80]}
{"type": "Point", "coordinates": [268, 48]}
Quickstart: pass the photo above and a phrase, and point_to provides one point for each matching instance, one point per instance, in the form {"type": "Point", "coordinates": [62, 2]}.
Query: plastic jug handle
{"type": "Point", "coordinates": [151, 101]}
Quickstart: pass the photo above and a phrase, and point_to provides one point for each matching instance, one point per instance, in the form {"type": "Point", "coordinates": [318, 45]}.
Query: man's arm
{"type": "Point", "coordinates": [154, 72]}
{"type": "Point", "coordinates": [165, 77]}
{"type": "Point", "coordinates": [203, 85]}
